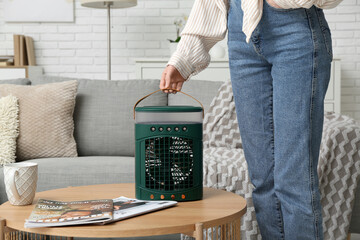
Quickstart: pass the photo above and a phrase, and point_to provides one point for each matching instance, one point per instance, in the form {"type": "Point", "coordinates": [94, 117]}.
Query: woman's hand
{"type": "Point", "coordinates": [171, 78]}
{"type": "Point", "coordinates": [272, 3]}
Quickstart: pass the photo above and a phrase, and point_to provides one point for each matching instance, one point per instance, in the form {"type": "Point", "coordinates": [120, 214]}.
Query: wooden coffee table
{"type": "Point", "coordinates": [219, 213]}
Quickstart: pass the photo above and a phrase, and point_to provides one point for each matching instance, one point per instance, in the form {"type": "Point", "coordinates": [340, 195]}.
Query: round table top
{"type": "Point", "coordinates": [217, 206]}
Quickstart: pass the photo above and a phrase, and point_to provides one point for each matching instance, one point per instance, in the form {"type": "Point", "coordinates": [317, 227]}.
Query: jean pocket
{"type": "Point", "coordinates": [325, 31]}
{"type": "Point", "coordinates": [328, 42]}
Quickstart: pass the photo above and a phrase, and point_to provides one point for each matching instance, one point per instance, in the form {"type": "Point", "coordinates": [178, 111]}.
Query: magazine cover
{"type": "Point", "coordinates": [55, 213]}
{"type": "Point", "coordinates": [128, 207]}
{"type": "Point", "coordinates": [49, 213]}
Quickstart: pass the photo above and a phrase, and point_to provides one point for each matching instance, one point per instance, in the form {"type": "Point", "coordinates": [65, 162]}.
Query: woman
{"type": "Point", "coordinates": [279, 55]}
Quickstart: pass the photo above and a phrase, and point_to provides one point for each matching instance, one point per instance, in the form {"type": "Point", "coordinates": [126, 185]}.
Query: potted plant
{"type": "Point", "coordinates": [179, 23]}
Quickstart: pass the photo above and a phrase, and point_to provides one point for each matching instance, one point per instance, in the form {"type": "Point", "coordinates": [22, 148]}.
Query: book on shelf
{"type": "Point", "coordinates": [50, 213]}
{"type": "Point", "coordinates": [16, 50]}
{"type": "Point", "coordinates": [6, 60]}
{"type": "Point", "coordinates": [5, 64]}
{"type": "Point", "coordinates": [24, 53]}
{"type": "Point", "coordinates": [30, 51]}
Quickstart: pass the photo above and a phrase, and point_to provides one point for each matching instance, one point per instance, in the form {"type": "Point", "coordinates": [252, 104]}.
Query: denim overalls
{"type": "Point", "coordinates": [279, 81]}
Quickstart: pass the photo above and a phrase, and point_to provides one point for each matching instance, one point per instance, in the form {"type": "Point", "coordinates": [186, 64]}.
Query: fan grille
{"type": "Point", "coordinates": [169, 163]}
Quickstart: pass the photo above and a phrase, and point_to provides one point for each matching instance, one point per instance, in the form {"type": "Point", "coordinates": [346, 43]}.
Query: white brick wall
{"type": "Point", "coordinates": [344, 22]}
{"type": "Point", "coordinates": [79, 49]}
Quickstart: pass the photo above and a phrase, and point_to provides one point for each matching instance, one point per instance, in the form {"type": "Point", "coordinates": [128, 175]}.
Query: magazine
{"type": "Point", "coordinates": [128, 207]}
{"type": "Point", "coordinates": [49, 213]}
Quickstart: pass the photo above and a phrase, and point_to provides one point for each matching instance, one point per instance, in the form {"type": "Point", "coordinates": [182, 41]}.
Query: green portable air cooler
{"type": "Point", "coordinates": [168, 152]}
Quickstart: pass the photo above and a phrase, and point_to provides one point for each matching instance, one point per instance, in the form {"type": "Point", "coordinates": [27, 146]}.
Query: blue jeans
{"type": "Point", "coordinates": [279, 82]}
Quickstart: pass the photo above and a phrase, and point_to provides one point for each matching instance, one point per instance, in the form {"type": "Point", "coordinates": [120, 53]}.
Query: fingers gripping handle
{"type": "Point", "coordinates": [168, 89]}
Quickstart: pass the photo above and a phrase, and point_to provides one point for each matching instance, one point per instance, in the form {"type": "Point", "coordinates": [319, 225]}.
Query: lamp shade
{"type": "Point", "coordinates": [103, 4]}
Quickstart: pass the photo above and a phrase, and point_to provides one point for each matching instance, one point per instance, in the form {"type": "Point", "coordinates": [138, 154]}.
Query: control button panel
{"type": "Point", "coordinates": [169, 129]}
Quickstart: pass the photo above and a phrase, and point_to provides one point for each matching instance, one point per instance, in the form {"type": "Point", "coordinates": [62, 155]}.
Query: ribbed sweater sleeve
{"type": "Point", "coordinates": [207, 25]}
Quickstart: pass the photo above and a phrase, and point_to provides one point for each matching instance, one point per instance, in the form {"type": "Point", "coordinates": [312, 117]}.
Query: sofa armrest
{"type": "Point", "coordinates": [340, 142]}
{"type": "Point", "coordinates": [225, 168]}
{"type": "Point", "coordinates": [339, 171]}
{"type": "Point", "coordinates": [3, 196]}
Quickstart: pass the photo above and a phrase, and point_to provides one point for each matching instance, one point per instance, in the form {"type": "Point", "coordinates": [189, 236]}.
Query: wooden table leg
{"type": "Point", "coordinates": [2, 228]}
{"type": "Point", "coordinates": [348, 236]}
{"type": "Point", "coordinates": [199, 231]}
{"type": "Point", "coordinates": [223, 232]}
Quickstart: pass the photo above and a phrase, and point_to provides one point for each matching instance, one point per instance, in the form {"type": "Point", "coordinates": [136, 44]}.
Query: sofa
{"type": "Point", "coordinates": [104, 133]}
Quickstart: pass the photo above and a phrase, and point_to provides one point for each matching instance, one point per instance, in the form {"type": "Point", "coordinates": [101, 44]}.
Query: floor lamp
{"type": "Point", "coordinates": [108, 5]}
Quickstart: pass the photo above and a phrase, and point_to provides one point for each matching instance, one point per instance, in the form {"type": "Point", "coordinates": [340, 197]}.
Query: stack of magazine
{"type": "Point", "coordinates": [49, 213]}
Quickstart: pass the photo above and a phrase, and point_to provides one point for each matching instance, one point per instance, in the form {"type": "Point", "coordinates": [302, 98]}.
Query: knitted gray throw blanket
{"type": "Point", "coordinates": [339, 165]}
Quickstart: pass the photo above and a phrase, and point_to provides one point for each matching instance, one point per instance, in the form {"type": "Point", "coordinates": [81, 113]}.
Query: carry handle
{"type": "Point", "coordinates": [13, 173]}
{"type": "Point", "coordinates": [168, 89]}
